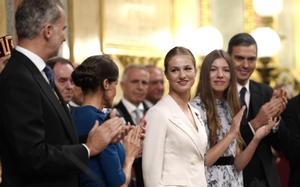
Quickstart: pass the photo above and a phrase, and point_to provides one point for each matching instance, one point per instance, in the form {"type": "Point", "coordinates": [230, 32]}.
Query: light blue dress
{"type": "Point", "coordinates": [217, 175]}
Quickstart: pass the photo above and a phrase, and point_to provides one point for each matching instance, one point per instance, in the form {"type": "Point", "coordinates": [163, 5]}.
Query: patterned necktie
{"type": "Point", "coordinates": [49, 74]}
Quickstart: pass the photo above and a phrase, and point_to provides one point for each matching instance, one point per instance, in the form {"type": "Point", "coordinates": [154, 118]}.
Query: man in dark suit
{"type": "Point", "coordinates": [39, 147]}
{"type": "Point", "coordinates": [261, 105]}
{"type": "Point", "coordinates": [62, 69]}
{"type": "Point", "coordinates": [132, 107]}
{"type": "Point", "coordinates": [156, 85]}
{"type": "Point", "coordinates": [3, 61]}
{"type": "Point", "coordinates": [291, 117]}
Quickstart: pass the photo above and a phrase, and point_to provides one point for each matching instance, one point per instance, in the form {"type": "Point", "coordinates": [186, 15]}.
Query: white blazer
{"type": "Point", "coordinates": [173, 152]}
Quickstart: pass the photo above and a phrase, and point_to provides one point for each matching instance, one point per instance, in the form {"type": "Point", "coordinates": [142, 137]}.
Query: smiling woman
{"type": "Point", "coordinates": [174, 127]}
{"type": "Point", "coordinates": [218, 103]}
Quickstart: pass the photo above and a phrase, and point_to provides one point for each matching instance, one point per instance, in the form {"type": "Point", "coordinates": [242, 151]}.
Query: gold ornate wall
{"type": "Point", "coordinates": [87, 32]}
{"type": "Point", "coordinates": [296, 22]}
{"type": "Point", "coordinates": [3, 29]}
{"type": "Point", "coordinates": [249, 16]}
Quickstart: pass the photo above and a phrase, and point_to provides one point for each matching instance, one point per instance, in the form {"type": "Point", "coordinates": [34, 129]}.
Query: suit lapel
{"type": "Point", "coordinates": [48, 92]}
{"type": "Point", "coordinates": [255, 100]}
{"type": "Point", "coordinates": [201, 133]}
{"type": "Point", "coordinates": [146, 107]}
{"type": "Point", "coordinates": [57, 105]}
{"type": "Point", "coordinates": [182, 122]}
{"type": "Point", "coordinates": [64, 105]}
{"type": "Point", "coordinates": [124, 113]}
{"type": "Point", "coordinates": [70, 127]}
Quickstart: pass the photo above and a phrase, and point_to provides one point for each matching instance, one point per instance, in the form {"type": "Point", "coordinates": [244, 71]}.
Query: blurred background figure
{"type": "Point", "coordinates": [156, 85]}
{"type": "Point", "coordinates": [285, 81]}
{"type": "Point", "coordinates": [134, 83]}
{"type": "Point", "coordinates": [62, 69]}
{"type": "Point", "coordinates": [290, 167]}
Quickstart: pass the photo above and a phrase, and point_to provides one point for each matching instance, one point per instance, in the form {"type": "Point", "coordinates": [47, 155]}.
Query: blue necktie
{"type": "Point", "coordinates": [242, 96]}
{"type": "Point", "coordinates": [242, 99]}
{"type": "Point", "coordinates": [49, 74]}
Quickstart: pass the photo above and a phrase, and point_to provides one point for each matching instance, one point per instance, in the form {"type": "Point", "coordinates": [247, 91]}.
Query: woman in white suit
{"type": "Point", "coordinates": [175, 142]}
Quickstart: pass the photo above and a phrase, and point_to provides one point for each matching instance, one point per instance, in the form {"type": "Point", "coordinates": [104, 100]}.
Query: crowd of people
{"type": "Point", "coordinates": [59, 127]}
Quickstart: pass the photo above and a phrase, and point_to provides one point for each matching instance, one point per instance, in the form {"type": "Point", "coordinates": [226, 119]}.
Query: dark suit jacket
{"type": "Point", "coordinates": [38, 140]}
{"type": "Point", "coordinates": [138, 162]}
{"type": "Point", "coordinates": [261, 167]}
{"type": "Point", "coordinates": [291, 117]}
{"type": "Point", "coordinates": [124, 112]}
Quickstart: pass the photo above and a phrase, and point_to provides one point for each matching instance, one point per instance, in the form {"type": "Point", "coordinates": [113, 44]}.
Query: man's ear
{"type": "Point", "coordinates": [106, 84]}
{"type": "Point", "coordinates": [48, 30]}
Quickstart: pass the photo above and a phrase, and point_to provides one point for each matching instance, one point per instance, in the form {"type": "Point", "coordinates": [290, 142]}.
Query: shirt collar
{"type": "Point", "coordinates": [131, 107]}
{"type": "Point", "coordinates": [148, 103]}
{"type": "Point", "coordinates": [37, 61]}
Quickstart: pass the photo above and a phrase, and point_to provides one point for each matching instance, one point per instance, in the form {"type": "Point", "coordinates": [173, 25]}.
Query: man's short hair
{"type": "Point", "coordinates": [58, 60]}
{"type": "Point", "coordinates": [31, 16]}
{"type": "Point", "coordinates": [241, 39]}
{"type": "Point", "coordinates": [130, 67]}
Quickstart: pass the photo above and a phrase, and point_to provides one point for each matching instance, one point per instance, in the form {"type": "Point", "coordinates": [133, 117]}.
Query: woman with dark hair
{"type": "Point", "coordinates": [97, 77]}
{"type": "Point", "coordinates": [217, 101]}
{"type": "Point", "coordinates": [175, 142]}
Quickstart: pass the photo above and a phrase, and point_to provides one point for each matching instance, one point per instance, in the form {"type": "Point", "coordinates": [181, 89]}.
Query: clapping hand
{"type": "Point", "coordinates": [236, 122]}
{"type": "Point", "coordinates": [265, 130]}
{"type": "Point", "coordinates": [282, 94]}
{"type": "Point", "coordinates": [132, 143]}
{"type": "Point", "coordinates": [111, 131]}
{"type": "Point", "coordinates": [142, 125]}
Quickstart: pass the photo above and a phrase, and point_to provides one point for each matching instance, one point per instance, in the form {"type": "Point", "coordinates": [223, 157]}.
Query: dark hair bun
{"type": "Point", "coordinates": [85, 78]}
{"type": "Point", "coordinates": [89, 75]}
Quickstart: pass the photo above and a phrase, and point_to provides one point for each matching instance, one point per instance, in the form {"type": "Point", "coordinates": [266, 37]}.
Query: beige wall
{"type": "Point", "coordinates": [227, 16]}
{"type": "Point", "coordinates": [86, 25]}
{"type": "Point", "coordinates": [227, 19]}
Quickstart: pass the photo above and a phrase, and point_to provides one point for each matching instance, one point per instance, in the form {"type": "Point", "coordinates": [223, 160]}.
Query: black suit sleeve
{"type": "Point", "coordinates": [288, 136]}
{"type": "Point", "coordinates": [246, 132]}
{"type": "Point", "coordinates": [260, 94]}
{"type": "Point", "coordinates": [32, 133]}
